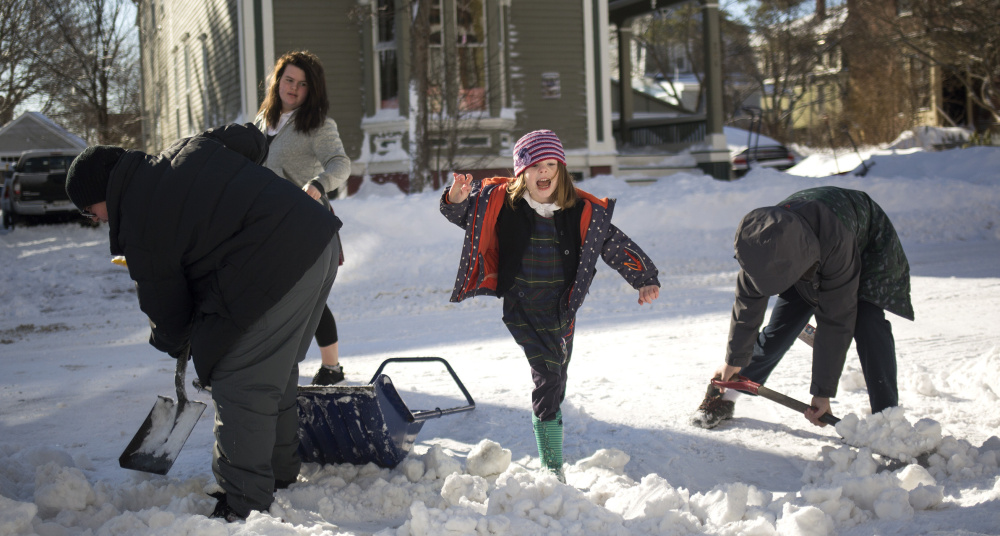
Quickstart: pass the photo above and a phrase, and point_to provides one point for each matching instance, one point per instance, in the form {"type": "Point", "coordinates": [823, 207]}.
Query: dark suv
{"type": "Point", "coordinates": [37, 187]}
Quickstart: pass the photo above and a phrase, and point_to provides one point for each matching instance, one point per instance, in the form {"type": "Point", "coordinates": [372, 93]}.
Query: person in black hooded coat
{"type": "Point", "coordinates": [232, 264]}
{"type": "Point", "coordinates": [829, 252]}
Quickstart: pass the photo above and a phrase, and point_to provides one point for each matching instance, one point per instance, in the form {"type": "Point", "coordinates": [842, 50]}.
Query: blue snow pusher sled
{"type": "Point", "coordinates": [364, 423]}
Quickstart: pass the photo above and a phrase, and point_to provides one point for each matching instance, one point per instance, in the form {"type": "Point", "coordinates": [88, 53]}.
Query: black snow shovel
{"type": "Point", "coordinates": [165, 430]}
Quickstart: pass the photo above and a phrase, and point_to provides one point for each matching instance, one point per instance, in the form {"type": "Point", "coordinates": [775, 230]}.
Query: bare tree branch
{"type": "Point", "coordinates": [961, 39]}
{"type": "Point", "coordinates": [97, 65]}
{"type": "Point", "coordinates": [786, 50]}
{"type": "Point", "coordinates": [23, 40]}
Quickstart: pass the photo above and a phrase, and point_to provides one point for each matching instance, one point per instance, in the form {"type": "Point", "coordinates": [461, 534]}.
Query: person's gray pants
{"type": "Point", "coordinates": [254, 386]}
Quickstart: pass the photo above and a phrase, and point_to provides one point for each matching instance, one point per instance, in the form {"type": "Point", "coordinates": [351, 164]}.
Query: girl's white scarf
{"type": "Point", "coordinates": [544, 210]}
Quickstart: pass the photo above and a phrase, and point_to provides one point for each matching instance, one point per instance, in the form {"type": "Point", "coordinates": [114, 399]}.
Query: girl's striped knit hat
{"type": "Point", "coordinates": [536, 146]}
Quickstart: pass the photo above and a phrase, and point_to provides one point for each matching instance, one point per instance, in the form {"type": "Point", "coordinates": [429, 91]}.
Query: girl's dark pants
{"type": "Point", "coordinates": [872, 336]}
{"type": "Point", "coordinates": [549, 391]}
{"type": "Point", "coordinates": [528, 329]}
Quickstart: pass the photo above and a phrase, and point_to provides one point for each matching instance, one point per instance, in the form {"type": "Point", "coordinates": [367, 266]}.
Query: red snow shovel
{"type": "Point", "coordinates": [745, 384]}
{"type": "Point", "coordinates": [159, 440]}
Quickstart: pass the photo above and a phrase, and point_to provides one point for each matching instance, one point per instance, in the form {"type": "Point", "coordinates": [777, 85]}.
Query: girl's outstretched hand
{"type": "Point", "coordinates": [460, 188]}
{"type": "Point", "coordinates": [648, 293]}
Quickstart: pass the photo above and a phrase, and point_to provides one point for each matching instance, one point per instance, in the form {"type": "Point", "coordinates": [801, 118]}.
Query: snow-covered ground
{"type": "Point", "coordinates": [78, 378]}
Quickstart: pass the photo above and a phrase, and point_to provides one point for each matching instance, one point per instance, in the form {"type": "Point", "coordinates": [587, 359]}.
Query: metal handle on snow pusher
{"type": "Point", "coordinates": [745, 384]}
{"type": "Point", "coordinates": [423, 415]}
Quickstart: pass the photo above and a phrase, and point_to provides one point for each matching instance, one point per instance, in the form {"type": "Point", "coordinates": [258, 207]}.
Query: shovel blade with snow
{"type": "Point", "coordinates": [156, 444]}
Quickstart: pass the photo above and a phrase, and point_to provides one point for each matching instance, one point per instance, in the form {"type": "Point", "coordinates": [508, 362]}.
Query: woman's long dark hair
{"type": "Point", "coordinates": [312, 113]}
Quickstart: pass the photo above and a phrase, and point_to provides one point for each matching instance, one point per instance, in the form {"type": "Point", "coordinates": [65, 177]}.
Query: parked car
{"type": "Point", "coordinates": [770, 156]}
{"type": "Point", "coordinates": [748, 151]}
{"type": "Point", "coordinates": [5, 218]}
{"type": "Point", "coordinates": [37, 187]}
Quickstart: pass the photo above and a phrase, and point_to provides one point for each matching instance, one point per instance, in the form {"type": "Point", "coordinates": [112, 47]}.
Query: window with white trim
{"type": "Point", "coordinates": [470, 55]}
{"type": "Point", "coordinates": [435, 60]}
{"type": "Point", "coordinates": [463, 57]}
{"type": "Point", "coordinates": [385, 55]}
{"type": "Point", "coordinates": [470, 43]}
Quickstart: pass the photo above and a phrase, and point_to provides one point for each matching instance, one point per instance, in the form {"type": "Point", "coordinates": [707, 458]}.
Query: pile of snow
{"type": "Point", "coordinates": [930, 138]}
{"type": "Point", "coordinates": [912, 147]}
{"type": "Point", "coordinates": [436, 493]}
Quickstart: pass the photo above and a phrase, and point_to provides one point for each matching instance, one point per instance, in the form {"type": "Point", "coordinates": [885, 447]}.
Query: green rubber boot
{"type": "Point", "coordinates": [549, 436]}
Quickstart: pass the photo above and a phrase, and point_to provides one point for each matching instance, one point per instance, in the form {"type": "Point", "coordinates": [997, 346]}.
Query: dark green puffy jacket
{"type": "Point", "coordinates": [835, 247]}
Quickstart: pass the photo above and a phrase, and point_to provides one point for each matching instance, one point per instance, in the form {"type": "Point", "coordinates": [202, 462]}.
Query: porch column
{"type": "Point", "coordinates": [625, 107]}
{"type": "Point", "coordinates": [714, 159]}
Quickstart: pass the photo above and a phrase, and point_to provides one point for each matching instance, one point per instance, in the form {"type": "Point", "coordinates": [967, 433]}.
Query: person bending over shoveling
{"type": "Point", "coordinates": [232, 263]}
{"type": "Point", "coordinates": [828, 252]}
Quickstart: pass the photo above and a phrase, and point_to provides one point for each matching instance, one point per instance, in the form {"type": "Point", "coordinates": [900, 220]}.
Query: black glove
{"type": "Point", "coordinates": [183, 351]}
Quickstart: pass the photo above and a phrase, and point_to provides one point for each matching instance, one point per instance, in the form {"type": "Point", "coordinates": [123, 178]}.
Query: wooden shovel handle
{"type": "Point", "coordinates": [182, 361]}
{"type": "Point", "coordinates": [745, 384]}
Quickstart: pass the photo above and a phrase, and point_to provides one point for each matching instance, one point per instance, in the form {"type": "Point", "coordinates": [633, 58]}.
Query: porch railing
{"type": "Point", "coordinates": [668, 133]}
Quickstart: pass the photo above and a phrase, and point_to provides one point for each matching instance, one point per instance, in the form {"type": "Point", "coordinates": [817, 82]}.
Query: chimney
{"type": "Point", "coordinates": [820, 9]}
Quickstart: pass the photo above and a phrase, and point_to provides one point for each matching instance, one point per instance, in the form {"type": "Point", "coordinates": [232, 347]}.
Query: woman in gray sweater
{"type": "Point", "coordinates": [304, 147]}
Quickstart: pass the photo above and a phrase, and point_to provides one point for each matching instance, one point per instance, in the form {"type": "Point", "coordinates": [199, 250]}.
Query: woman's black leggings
{"type": "Point", "coordinates": [326, 331]}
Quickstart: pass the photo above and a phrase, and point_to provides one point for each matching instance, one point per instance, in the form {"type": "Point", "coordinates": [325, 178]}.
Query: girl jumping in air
{"type": "Point", "coordinates": [534, 241]}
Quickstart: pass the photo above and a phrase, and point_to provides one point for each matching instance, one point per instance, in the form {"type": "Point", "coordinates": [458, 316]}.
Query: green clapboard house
{"type": "Point", "coordinates": [495, 69]}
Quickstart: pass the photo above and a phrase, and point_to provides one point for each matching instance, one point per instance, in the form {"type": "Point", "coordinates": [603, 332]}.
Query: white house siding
{"type": "Point", "coordinates": [190, 68]}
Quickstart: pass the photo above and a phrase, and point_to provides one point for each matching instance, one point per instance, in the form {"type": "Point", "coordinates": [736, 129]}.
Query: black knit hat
{"type": "Point", "coordinates": [87, 178]}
